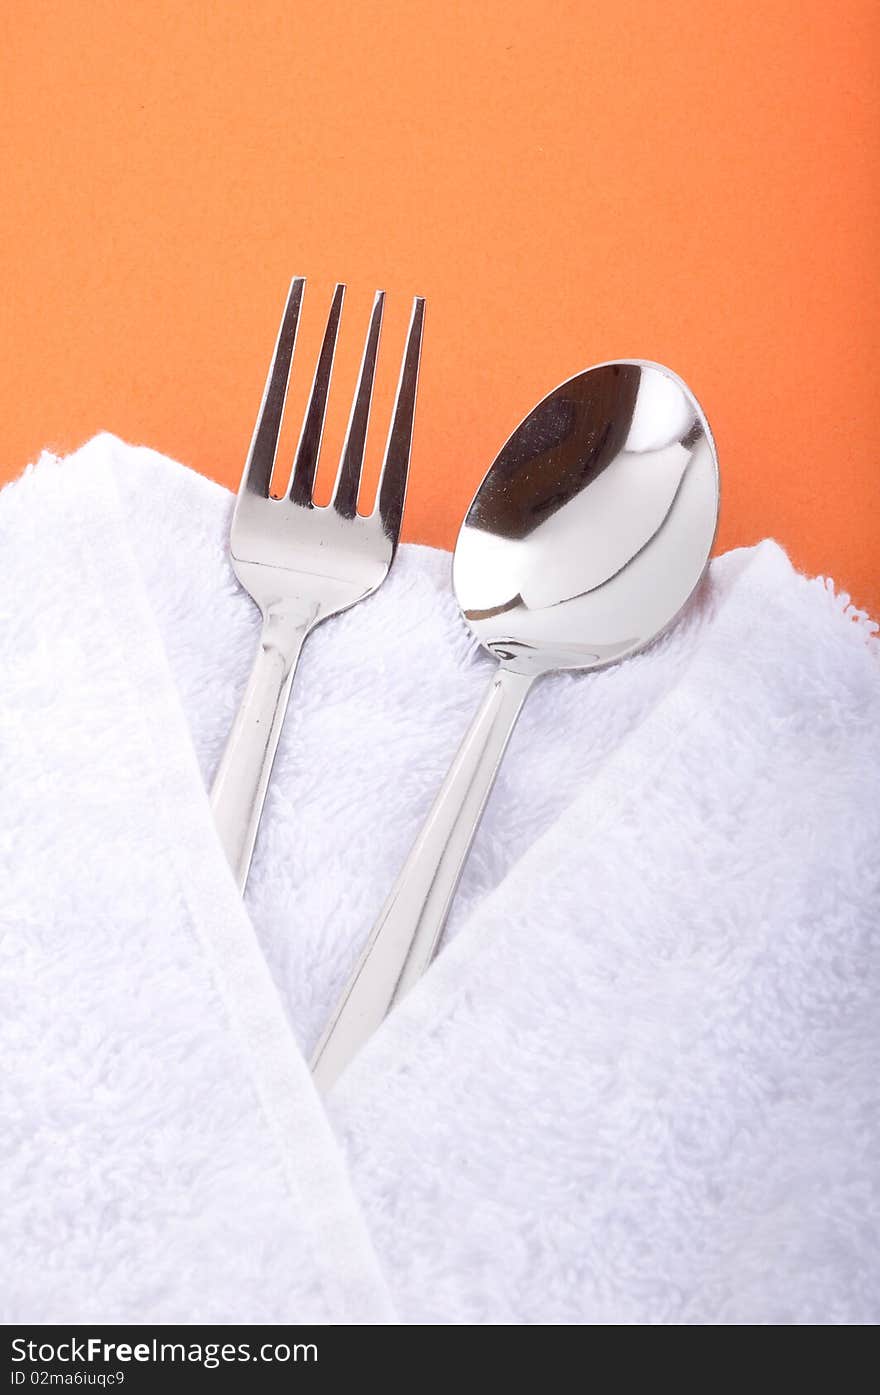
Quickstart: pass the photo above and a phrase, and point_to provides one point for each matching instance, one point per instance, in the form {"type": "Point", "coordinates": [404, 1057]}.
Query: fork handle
{"type": "Point", "coordinates": [239, 789]}
{"type": "Point", "coordinates": [405, 937]}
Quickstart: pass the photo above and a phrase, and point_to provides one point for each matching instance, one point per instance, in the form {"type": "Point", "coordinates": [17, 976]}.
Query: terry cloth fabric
{"type": "Point", "coordinates": [640, 1083]}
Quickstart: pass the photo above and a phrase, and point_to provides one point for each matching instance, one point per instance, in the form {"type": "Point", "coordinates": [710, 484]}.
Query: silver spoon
{"type": "Point", "coordinates": [583, 542]}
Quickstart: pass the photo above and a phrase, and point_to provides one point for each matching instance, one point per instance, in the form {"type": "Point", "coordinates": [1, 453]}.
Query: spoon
{"type": "Point", "coordinates": [583, 543]}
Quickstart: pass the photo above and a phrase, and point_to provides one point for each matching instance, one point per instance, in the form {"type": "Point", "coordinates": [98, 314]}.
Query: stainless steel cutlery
{"type": "Point", "coordinates": [585, 539]}
{"type": "Point", "coordinates": [302, 563]}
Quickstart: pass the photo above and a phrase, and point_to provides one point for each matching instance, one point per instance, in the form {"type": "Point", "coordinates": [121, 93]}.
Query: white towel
{"type": "Point", "coordinates": [641, 1082]}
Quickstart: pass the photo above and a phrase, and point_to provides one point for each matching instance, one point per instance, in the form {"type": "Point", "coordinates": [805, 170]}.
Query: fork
{"type": "Point", "coordinates": [301, 562]}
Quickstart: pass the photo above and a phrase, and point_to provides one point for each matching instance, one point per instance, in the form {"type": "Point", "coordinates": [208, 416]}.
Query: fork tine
{"type": "Point", "coordinates": [391, 494]}
{"type": "Point", "coordinates": [257, 475]}
{"type": "Point", "coordinates": [345, 491]}
{"type": "Point", "coordinates": [305, 462]}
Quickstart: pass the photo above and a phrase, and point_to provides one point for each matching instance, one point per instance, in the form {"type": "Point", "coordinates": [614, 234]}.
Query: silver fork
{"type": "Point", "coordinates": [300, 562]}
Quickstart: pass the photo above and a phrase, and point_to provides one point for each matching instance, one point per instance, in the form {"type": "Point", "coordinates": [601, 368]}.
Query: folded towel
{"type": "Point", "coordinates": [640, 1083]}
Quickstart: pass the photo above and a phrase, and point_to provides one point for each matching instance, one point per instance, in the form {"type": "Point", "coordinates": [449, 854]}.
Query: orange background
{"type": "Point", "coordinates": [686, 180]}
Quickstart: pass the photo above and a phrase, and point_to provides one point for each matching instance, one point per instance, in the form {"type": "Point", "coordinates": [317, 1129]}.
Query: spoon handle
{"type": "Point", "coordinates": [405, 936]}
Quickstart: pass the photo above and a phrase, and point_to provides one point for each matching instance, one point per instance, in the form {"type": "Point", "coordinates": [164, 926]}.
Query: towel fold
{"type": "Point", "coordinates": [641, 1081]}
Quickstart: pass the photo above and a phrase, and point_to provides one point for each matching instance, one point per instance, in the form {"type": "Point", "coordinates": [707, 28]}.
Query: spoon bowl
{"type": "Point", "coordinates": [595, 523]}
